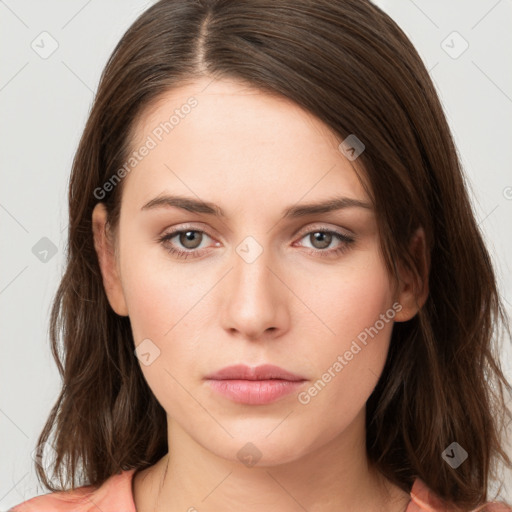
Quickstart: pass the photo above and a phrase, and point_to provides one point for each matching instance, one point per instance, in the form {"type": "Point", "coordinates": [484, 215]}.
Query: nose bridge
{"type": "Point", "coordinates": [254, 298]}
{"type": "Point", "coordinates": [251, 266]}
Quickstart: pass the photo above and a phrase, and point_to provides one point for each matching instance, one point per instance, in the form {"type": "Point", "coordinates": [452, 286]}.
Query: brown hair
{"type": "Point", "coordinates": [349, 64]}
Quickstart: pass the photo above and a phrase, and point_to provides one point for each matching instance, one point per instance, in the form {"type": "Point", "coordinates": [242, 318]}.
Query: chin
{"type": "Point", "coordinates": [258, 450]}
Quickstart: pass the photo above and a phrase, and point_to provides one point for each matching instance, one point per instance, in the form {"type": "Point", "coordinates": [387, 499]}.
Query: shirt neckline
{"type": "Point", "coordinates": [420, 496]}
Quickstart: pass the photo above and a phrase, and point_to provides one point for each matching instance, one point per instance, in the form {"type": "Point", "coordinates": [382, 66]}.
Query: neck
{"type": "Point", "coordinates": [335, 476]}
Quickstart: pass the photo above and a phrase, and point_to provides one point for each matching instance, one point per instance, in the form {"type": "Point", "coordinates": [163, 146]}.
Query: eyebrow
{"type": "Point", "coordinates": [295, 211]}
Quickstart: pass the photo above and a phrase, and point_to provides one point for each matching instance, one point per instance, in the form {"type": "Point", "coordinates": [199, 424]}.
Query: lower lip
{"type": "Point", "coordinates": [255, 392]}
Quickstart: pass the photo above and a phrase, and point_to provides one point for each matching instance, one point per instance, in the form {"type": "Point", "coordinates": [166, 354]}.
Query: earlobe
{"type": "Point", "coordinates": [107, 261]}
{"type": "Point", "coordinates": [413, 286]}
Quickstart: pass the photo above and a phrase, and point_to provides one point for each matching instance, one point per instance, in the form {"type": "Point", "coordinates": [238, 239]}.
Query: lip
{"type": "Point", "coordinates": [254, 386]}
{"type": "Point", "coordinates": [262, 372]}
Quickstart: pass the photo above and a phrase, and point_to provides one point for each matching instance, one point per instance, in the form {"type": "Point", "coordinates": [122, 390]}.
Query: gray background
{"type": "Point", "coordinates": [44, 102]}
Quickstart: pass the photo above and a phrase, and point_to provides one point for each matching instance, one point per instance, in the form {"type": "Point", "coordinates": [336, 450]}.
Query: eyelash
{"type": "Point", "coordinates": [196, 253]}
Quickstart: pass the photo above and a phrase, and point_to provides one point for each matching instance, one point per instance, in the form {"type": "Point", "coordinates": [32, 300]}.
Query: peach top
{"type": "Point", "coordinates": [116, 495]}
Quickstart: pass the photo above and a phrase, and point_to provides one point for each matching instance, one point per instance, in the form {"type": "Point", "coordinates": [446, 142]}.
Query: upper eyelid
{"type": "Point", "coordinates": [324, 227]}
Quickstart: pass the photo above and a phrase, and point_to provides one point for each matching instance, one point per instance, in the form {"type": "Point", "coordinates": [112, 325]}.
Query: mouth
{"type": "Point", "coordinates": [254, 386]}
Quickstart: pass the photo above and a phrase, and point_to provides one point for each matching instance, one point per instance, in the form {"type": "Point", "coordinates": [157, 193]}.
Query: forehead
{"type": "Point", "coordinates": [213, 136]}
{"type": "Point", "coordinates": [230, 106]}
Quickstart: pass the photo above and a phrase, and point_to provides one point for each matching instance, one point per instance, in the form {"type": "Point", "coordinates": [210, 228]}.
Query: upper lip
{"type": "Point", "coordinates": [263, 372]}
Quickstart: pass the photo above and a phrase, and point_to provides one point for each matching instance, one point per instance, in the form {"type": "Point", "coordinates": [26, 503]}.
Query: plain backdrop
{"type": "Point", "coordinates": [52, 53]}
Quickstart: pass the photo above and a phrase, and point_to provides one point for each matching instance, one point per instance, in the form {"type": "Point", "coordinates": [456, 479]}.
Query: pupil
{"type": "Point", "coordinates": [324, 238]}
{"type": "Point", "coordinates": [189, 237]}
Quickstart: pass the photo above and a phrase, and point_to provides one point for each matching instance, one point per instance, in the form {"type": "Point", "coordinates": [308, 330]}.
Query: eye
{"type": "Point", "coordinates": [323, 238]}
{"type": "Point", "coordinates": [190, 239]}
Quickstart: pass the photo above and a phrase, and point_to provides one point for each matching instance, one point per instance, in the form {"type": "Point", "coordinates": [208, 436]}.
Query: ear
{"type": "Point", "coordinates": [413, 286]}
{"type": "Point", "coordinates": [107, 260]}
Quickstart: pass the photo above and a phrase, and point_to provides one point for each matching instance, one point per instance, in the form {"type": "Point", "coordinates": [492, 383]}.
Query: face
{"type": "Point", "coordinates": [307, 291]}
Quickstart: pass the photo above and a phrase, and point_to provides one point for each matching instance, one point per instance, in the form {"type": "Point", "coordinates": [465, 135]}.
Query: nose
{"type": "Point", "coordinates": [255, 298]}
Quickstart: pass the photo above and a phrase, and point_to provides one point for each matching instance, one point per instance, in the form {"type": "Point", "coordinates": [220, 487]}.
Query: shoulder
{"type": "Point", "coordinates": [114, 495]}
{"type": "Point", "coordinates": [423, 499]}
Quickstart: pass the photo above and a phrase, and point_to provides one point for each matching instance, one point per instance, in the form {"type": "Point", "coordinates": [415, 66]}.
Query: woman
{"type": "Point", "coordinates": [277, 296]}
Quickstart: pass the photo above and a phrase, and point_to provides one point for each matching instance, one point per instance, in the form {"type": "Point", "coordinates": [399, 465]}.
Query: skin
{"type": "Point", "coordinates": [253, 154]}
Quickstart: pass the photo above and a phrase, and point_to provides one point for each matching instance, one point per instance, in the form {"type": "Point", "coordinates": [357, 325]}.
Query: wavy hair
{"type": "Point", "coordinates": [349, 64]}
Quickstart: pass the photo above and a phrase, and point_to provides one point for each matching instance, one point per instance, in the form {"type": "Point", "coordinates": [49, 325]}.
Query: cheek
{"type": "Point", "coordinates": [149, 305]}
{"type": "Point", "coordinates": [164, 307]}
{"type": "Point", "coordinates": [155, 292]}
{"type": "Point", "coordinates": [347, 299]}
{"type": "Point", "coordinates": [353, 351]}
{"type": "Point", "coordinates": [161, 311]}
